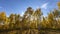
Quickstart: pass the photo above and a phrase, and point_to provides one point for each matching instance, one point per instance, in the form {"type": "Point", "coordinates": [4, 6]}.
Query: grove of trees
{"type": "Point", "coordinates": [31, 19]}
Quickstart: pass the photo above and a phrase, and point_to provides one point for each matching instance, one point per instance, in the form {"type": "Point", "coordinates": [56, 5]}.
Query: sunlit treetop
{"type": "Point", "coordinates": [59, 5]}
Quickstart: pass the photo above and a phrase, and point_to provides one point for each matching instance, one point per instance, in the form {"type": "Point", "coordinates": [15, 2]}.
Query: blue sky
{"type": "Point", "coordinates": [20, 6]}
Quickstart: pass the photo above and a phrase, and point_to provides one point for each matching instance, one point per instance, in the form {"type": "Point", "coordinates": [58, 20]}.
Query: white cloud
{"type": "Point", "coordinates": [7, 15]}
{"type": "Point", "coordinates": [44, 5]}
{"type": "Point", "coordinates": [22, 13]}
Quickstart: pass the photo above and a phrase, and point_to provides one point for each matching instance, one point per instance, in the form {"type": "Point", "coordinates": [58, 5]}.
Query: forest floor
{"type": "Point", "coordinates": [30, 31]}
